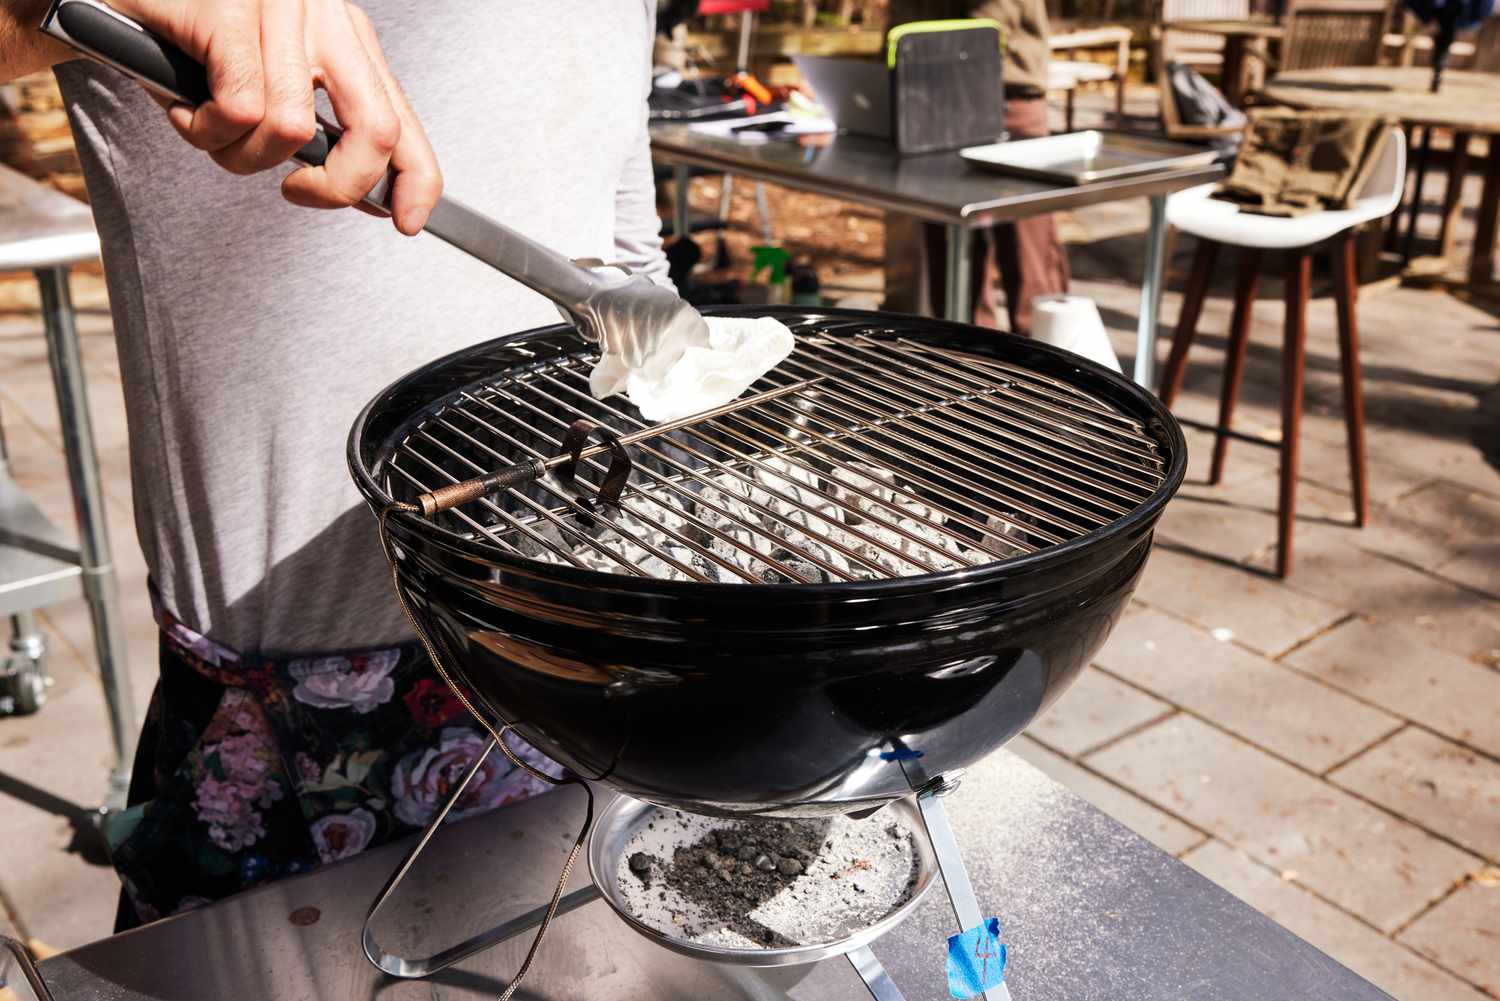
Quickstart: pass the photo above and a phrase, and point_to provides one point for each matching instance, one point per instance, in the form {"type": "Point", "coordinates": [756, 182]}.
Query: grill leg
{"type": "Point", "coordinates": [412, 969]}
{"type": "Point", "coordinates": [1246, 281]}
{"type": "Point", "coordinates": [951, 864]}
{"type": "Point", "coordinates": [99, 585]}
{"type": "Point", "coordinates": [1293, 359]}
{"type": "Point", "coordinates": [1145, 331]}
{"type": "Point", "coordinates": [1346, 293]}
{"type": "Point", "coordinates": [877, 981]}
{"type": "Point", "coordinates": [1187, 324]}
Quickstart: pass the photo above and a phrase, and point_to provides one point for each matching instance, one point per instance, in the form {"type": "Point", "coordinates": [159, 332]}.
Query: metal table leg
{"type": "Point", "coordinates": [958, 302]}
{"type": "Point", "coordinates": [681, 176]}
{"type": "Point", "coordinates": [22, 671]}
{"type": "Point", "coordinates": [99, 586]}
{"type": "Point", "coordinates": [1145, 330]}
{"type": "Point", "coordinates": [763, 207]}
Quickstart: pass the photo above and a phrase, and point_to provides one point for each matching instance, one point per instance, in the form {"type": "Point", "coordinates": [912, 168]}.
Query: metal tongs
{"type": "Point", "coordinates": [638, 325]}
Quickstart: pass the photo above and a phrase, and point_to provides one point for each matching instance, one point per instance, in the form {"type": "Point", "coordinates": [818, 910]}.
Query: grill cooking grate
{"type": "Point", "coordinates": [899, 458]}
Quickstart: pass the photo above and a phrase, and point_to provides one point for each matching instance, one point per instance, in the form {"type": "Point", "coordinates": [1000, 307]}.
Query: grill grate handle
{"type": "Point", "coordinates": [565, 462]}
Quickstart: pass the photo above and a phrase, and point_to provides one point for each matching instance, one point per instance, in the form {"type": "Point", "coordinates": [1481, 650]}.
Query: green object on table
{"type": "Point", "coordinates": [775, 258]}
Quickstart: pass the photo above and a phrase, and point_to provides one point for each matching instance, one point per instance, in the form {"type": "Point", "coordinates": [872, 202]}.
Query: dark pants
{"type": "Point", "coordinates": [1025, 258]}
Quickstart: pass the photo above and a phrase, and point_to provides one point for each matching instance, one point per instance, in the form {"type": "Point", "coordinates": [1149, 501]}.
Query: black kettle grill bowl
{"type": "Point", "coordinates": [727, 698]}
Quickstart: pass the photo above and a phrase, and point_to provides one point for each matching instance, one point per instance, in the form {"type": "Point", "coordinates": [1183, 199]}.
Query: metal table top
{"type": "Point", "coordinates": [40, 227]}
{"type": "Point", "coordinates": [939, 187]}
{"type": "Point", "coordinates": [1091, 912]}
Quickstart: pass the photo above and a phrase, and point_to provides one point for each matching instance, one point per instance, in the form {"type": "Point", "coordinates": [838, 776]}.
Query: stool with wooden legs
{"type": "Point", "coordinates": [1219, 224]}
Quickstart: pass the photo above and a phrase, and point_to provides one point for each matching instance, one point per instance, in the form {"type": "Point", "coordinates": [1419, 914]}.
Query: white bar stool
{"type": "Point", "coordinates": [1219, 223]}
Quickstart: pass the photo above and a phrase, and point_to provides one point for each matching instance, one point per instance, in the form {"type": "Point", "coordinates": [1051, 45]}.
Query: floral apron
{"type": "Point", "coordinates": [250, 768]}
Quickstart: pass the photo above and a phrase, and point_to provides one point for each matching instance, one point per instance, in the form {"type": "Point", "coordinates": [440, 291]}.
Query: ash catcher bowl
{"type": "Point", "coordinates": [831, 595]}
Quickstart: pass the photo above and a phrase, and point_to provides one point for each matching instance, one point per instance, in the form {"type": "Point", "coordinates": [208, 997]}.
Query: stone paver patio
{"type": "Point", "coordinates": [1327, 747]}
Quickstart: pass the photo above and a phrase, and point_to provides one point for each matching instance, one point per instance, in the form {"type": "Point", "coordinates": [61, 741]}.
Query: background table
{"type": "Point", "coordinates": [46, 232]}
{"type": "Point", "coordinates": [1091, 912]}
{"type": "Point", "coordinates": [1240, 36]}
{"type": "Point", "coordinates": [1468, 103]}
{"type": "Point", "coordinates": [938, 187]}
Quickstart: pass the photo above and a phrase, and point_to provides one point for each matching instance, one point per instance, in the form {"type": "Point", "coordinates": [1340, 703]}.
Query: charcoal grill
{"type": "Point", "coordinates": [837, 592]}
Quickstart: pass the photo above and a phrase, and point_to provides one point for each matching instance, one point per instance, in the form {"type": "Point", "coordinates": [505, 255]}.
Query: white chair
{"type": "Point", "coordinates": [1219, 223]}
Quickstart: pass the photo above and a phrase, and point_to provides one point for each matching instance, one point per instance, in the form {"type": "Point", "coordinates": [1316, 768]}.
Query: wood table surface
{"type": "Point", "coordinates": [1468, 103]}
{"type": "Point", "coordinates": [1229, 27]}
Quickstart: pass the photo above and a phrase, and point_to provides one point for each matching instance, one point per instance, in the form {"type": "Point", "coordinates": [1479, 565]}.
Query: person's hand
{"type": "Point", "coordinates": [264, 59]}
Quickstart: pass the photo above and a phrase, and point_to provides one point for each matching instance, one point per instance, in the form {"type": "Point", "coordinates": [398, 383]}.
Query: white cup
{"type": "Point", "coordinates": [1072, 322]}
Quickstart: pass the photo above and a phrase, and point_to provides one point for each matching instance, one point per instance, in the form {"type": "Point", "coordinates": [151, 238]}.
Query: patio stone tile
{"type": "Point", "coordinates": [1326, 463]}
{"type": "Point", "coordinates": [1463, 932]}
{"type": "Point", "coordinates": [1478, 566]}
{"type": "Point", "coordinates": [1395, 970]}
{"type": "Point", "coordinates": [1095, 710]}
{"type": "Point", "coordinates": [1238, 519]}
{"type": "Point", "coordinates": [1208, 520]}
{"type": "Point", "coordinates": [1455, 459]}
{"type": "Point", "coordinates": [1262, 612]}
{"type": "Point", "coordinates": [1161, 829]}
{"type": "Point", "coordinates": [1471, 630]}
{"type": "Point", "coordinates": [1416, 520]}
{"type": "Point", "coordinates": [1447, 514]}
{"type": "Point", "coordinates": [1372, 864]}
{"type": "Point", "coordinates": [1393, 668]}
{"type": "Point", "coordinates": [57, 871]}
{"type": "Point", "coordinates": [1279, 710]}
{"type": "Point", "coordinates": [1254, 461]}
{"type": "Point", "coordinates": [1435, 784]}
{"type": "Point", "coordinates": [1330, 564]}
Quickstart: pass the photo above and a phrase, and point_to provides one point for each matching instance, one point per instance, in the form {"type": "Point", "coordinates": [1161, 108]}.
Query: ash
{"type": "Point", "coordinates": [752, 884]}
{"type": "Point", "coordinates": [781, 513]}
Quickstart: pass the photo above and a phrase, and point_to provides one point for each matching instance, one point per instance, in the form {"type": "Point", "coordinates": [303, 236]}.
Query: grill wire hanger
{"type": "Point", "coordinates": [1055, 464]}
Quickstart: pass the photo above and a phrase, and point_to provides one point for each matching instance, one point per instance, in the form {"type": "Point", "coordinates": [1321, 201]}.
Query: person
{"type": "Point", "coordinates": [295, 721]}
{"type": "Point", "coordinates": [1026, 257]}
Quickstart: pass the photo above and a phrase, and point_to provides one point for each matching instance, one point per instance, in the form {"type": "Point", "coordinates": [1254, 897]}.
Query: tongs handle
{"type": "Point", "coordinates": [96, 30]}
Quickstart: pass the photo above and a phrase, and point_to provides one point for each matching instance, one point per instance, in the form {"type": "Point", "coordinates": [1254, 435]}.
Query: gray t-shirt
{"type": "Point", "coordinates": [251, 332]}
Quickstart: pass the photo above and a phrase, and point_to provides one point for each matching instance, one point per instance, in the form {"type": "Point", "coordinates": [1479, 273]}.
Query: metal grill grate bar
{"type": "Point", "coordinates": [898, 456]}
{"type": "Point", "coordinates": [1012, 546]}
{"type": "Point", "coordinates": [1108, 446]}
{"type": "Point", "coordinates": [943, 413]}
{"type": "Point", "coordinates": [943, 448]}
{"type": "Point", "coordinates": [920, 565]}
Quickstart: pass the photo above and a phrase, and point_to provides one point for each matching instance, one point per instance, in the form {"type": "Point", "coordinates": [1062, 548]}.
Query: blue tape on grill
{"type": "Point", "coordinates": [976, 960]}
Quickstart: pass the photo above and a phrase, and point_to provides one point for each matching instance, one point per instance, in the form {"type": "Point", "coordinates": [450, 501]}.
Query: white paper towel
{"type": "Point", "coordinates": [1072, 322]}
{"type": "Point", "coordinates": [740, 350]}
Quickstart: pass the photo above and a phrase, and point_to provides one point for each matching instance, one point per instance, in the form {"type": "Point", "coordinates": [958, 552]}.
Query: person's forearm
{"type": "Point", "coordinates": [24, 49]}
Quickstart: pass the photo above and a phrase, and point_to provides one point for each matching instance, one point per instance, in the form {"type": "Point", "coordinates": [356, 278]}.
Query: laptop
{"type": "Point", "coordinates": [854, 91]}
